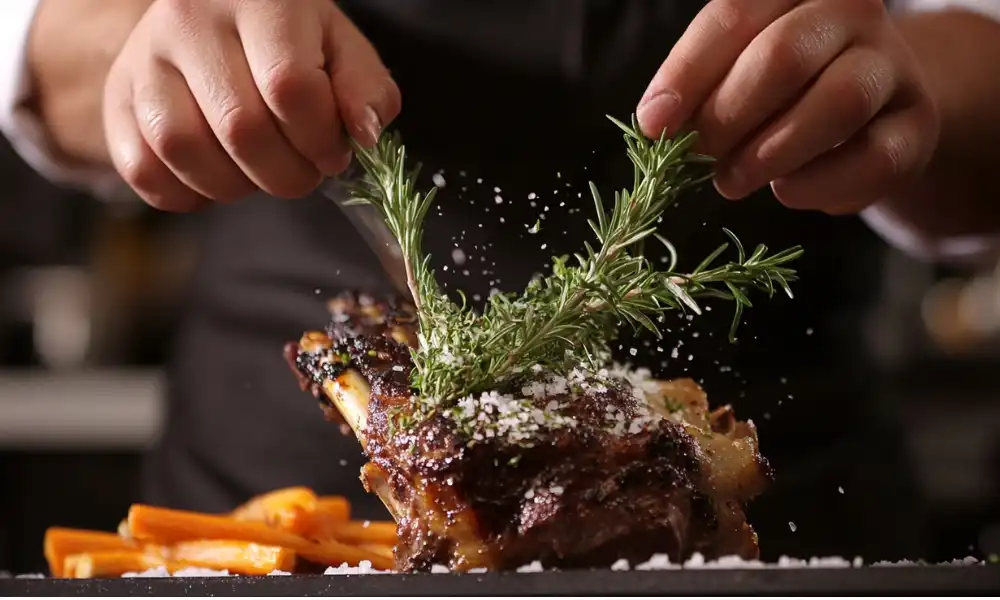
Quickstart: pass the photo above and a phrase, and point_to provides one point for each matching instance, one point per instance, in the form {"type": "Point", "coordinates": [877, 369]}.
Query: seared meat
{"type": "Point", "coordinates": [571, 471]}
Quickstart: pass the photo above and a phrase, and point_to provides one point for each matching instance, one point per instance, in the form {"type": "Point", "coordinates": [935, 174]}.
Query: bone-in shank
{"type": "Point", "coordinates": [573, 471]}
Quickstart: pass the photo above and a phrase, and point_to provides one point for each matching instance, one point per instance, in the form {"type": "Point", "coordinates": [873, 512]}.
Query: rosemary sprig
{"type": "Point", "coordinates": [569, 317]}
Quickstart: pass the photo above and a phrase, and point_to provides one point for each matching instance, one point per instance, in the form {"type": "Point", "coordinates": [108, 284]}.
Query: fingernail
{"type": "Point", "coordinates": [731, 184]}
{"type": "Point", "coordinates": [372, 125]}
{"type": "Point", "coordinates": [658, 113]}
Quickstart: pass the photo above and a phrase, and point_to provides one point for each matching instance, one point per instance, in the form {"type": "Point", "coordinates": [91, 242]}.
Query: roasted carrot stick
{"type": "Point", "coordinates": [361, 532]}
{"type": "Point", "coordinates": [114, 563]}
{"type": "Point", "coordinates": [330, 511]}
{"type": "Point", "coordinates": [334, 508]}
{"type": "Point", "coordinates": [245, 558]}
{"type": "Point", "coordinates": [167, 526]}
{"type": "Point", "coordinates": [61, 542]}
{"type": "Point", "coordinates": [380, 549]}
{"type": "Point", "coordinates": [282, 508]}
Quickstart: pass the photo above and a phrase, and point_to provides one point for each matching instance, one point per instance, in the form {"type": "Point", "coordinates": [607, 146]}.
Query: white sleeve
{"type": "Point", "coordinates": [987, 8]}
{"type": "Point", "coordinates": [897, 231]}
{"type": "Point", "coordinates": [21, 126]}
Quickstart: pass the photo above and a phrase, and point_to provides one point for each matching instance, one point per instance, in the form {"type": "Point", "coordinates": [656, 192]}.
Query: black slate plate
{"type": "Point", "coordinates": [909, 581]}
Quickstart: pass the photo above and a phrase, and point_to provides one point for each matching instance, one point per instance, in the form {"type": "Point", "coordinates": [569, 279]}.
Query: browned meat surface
{"type": "Point", "coordinates": [572, 472]}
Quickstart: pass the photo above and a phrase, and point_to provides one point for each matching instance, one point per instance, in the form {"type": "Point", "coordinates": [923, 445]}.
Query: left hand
{"type": "Point", "coordinates": [821, 99]}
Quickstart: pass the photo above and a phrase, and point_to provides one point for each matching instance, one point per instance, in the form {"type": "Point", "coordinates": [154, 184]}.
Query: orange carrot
{"type": "Point", "coordinates": [330, 510]}
{"type": "Point", "coordinates": [361, 532]}
{"type": "Point", "coordinates": [335, 508]}
{"type": "Point", "coordinates": [245, 558]}
{"type": "Point", "coordinates": [282, 508]}
{"type": "Point", "coordinates": [114, 563]}
{"type": "Point", "coordinates": [167, 526]}
{"type": "Point", "coordinates": [61, 542]}
{"type": "Point", "coordinates": [380, 549]}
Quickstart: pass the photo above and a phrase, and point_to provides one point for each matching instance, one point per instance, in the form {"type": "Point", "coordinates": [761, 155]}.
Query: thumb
{"type": "Point", "coordinates": [366, 94]}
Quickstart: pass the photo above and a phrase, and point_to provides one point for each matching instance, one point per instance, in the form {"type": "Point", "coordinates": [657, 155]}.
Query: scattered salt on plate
{"type": "Point", "coordinates": [363, 568]}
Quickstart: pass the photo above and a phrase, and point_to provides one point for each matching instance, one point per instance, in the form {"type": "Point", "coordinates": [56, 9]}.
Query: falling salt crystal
{"type": "Point", "coordinates": [343, 462]}
{"type": "Point", "coordinates": [318, 291]}
{"type": "Point", "coordinates": [529, 494]}
{"type": "Point", "coordinates": [792, 526]}
{"type": "Point", "coordinates": [458, 256]}
{"type": "Point", "coordinates": [809, 331]}
{"type": "Point", "coordinates": [544, 246]}
{"type": "Point", "coordinates": [479, 180]}
{"type": "Point", "coordinates": [498, 199]}
{"type": "Point", "coordinates": [840, 489]}
{"type": "Point", "coordinates": [438, 180]}
{"type": "Point", "coordinates": [632, 351]}
{"type": "Point", "coordinates": [532, 196]}
{"type": "Point", "coordinates": [496, 190]}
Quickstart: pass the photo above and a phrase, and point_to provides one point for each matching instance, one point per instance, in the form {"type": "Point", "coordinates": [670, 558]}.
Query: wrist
{"type": "Point", "coordinates": [70, 48]}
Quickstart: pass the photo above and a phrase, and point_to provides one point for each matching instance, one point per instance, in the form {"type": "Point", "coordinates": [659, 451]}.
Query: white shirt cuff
{"type": "Point", "coordinates": [904, 237]}
{"type": "Point", "coordinates": [20, 125]}
{"type": "Point", "coordinates": [986, 8]}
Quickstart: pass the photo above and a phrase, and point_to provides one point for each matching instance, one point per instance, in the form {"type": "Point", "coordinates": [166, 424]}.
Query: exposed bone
{"type": "Point", "coordinates": [350, 393]}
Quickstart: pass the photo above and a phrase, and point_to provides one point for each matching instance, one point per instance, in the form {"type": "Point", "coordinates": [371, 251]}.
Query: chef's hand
{"type": "Point", "coordinates": [215, 99]}
{"type": "Point", "coordinates": [821, 99]}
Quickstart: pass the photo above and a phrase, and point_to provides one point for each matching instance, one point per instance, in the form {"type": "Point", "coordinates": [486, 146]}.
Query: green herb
{"type": "Point", "coordinates": [672, 405]}
{"type": "Point", "coordinates": [569, 317]}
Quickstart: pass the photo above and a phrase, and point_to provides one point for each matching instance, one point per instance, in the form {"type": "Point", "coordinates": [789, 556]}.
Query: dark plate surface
{"type": "Point", "coordinates": [981, 580]}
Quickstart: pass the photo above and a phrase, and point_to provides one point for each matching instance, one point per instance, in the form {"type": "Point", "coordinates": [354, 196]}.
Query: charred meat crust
{"type": "Point", "coordinates": [577, 497]}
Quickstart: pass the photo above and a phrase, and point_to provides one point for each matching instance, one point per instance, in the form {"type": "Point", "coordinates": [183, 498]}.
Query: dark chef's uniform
{"type": "Point", "coordinates": [513, 95]}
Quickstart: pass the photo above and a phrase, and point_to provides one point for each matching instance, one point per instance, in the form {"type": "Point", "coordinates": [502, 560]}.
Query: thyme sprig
{"type": "Point", "coordinates": [569, 317]}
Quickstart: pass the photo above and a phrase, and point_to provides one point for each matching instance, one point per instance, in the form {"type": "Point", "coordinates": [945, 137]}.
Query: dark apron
{"type": "Point", "coordinates": [514, 94]}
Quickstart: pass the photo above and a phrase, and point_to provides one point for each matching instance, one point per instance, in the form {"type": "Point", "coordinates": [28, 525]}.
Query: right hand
{"type": "Point", "coordinates": [211, 100]}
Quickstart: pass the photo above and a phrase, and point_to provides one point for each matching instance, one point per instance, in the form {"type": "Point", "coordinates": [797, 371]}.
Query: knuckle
{"type": "Point", "coordinates": [731, 17]}
{"type": "Point", "coordinates": [239, 128]}
{"type": "Point", "coordinates": [170, 140]}
{"type": "Point", "coordinates": [176, 12]}
{"type": "Point", "coordinates": [858, 100]}
{"type": "Point", "coordinates": [139, 169]}
{"type": "Point", "coordinates": [286, 83]}
{"type": "Point", "coordinates": [787, 60]}
{"type": "Point", "coordinates": [862, 95]}
{"type": "Point", "coordinates": [892, 154]}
